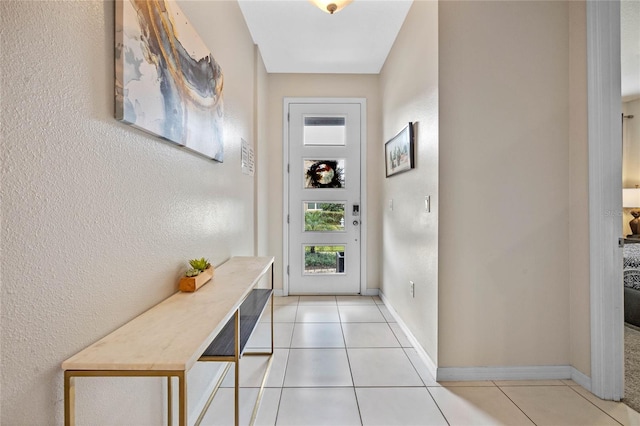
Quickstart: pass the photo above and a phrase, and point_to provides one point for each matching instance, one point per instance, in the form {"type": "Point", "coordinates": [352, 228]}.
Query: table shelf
{"type": "Point", "coordinates": [250, 312]}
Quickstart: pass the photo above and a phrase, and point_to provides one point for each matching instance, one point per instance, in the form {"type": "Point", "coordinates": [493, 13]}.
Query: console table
{"type": "Point", "coordinates": [212, 324]}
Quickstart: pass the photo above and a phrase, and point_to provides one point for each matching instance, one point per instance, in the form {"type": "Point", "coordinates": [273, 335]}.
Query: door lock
{"type": "Point", "coordinates": [355, 223]}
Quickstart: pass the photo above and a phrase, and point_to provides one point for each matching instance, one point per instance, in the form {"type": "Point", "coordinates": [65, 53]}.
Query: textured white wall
{"type": "Point", "coordinates": [504, 184]}
{"type": "Point", "coordinates": [97, 217]}
{"type": "Point", "coordinates": [323, 85]}
{"type": "Point", "coordinates": [409, 90]}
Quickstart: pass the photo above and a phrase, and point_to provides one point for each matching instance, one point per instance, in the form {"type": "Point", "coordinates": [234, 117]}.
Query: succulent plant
{"type": "Point", "coordinates": [197, 267]}
{"type": "Point", "coordinates": [192, 272]}
{"type": "Point", "coordinates": [200, 264]}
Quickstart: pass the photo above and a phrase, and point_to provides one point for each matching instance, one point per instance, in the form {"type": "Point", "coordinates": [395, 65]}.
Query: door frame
{"type": "Point", "coordinates": [363, 183]}
{"type": "Point", "coordinates": [605, 195]}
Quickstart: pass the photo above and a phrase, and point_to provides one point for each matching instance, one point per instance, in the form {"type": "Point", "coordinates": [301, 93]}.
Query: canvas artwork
{"type": "Point", "coordinates": [167, 82]}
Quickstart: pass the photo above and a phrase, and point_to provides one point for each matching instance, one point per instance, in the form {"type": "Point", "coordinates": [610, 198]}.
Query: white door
{"type": "Point", "coordinates": [324, 198]}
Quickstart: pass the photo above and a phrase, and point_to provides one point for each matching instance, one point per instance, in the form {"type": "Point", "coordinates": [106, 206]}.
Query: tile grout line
{"type": "Point", "coordinates": [353, 382]}
{"type": "Point", "coordinates": [275, 422]}
{"type": "Point", "coordinates": [295, 324]}
{"type": "Point", "coordinates": [582, 396]}
{"type": "Point", "coordinates": [404, 350]}
{"type": "Point", "coordinates": [347, 387]}
{"type": "Point", "coordinates": [513, 402]}
{"type": "Point", "coordinates": [436, 402]}
{"type": "Point", "coordinates": [286, 365]}
{"type": "Point", "coordinates": [407, 355]}
{"type": "Point", "coordinates": [414, 367]}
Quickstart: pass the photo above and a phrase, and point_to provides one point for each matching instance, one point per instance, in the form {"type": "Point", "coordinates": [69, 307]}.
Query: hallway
{"type": "Point", "coordinates": [345, 361]}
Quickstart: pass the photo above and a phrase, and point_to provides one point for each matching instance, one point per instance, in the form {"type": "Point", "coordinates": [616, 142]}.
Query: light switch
{"type": "Point", "coordinates": [427, 203]}
{"type": "Point", "coordinates": [391, 204]}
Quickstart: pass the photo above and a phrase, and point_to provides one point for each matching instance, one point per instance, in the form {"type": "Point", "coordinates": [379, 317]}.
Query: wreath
{"type": "Point", "coordinates": [324, 174]}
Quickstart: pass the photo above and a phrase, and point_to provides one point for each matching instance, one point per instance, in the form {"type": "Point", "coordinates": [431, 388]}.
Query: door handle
{"type": "Point", "coordinates": [355, 223]}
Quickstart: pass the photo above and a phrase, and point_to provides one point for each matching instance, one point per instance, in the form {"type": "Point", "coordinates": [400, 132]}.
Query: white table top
{"type": "Point", "coordinates": [173, 334]}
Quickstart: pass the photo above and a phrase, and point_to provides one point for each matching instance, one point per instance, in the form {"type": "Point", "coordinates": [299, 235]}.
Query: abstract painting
{"type": "Point", "coordinates": [167, 81]}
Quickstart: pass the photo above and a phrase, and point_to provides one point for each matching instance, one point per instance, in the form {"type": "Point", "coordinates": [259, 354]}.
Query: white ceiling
{"type": "Point", "coordinates": [295, 36]}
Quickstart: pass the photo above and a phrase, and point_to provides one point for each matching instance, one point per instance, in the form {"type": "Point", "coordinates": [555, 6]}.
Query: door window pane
{"type": "Point", "coordinates": [326, 131]}
{"type": "Point", "coordinates": [323, 216]}
{"type": "Point", "coordinates": [323, 259]}
{"type": "Point", "coordinates": [324, 173]}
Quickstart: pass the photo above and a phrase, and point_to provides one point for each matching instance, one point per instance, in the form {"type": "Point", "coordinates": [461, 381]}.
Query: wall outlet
{"type": "Point", "coordinates": [412, 289]}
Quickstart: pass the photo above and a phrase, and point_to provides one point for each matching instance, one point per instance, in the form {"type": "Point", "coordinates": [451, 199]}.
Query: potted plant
{"type": "Point", "coordinates": [198, 275]}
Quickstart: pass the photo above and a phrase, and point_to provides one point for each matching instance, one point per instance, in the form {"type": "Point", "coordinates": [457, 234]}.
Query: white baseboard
{"type": "Point", "coordinates": [541, 372]}
{"type": "Point", "coordinates": [581, 378]}
{"type": "Point", "coordinates": [534, 372]}
{"type": "Point", "coordinates": [424, 356]}
{"type": "Point", "coordinates": [278, 292]}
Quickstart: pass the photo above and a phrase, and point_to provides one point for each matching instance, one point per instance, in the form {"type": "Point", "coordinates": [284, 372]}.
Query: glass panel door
{"type": "Point", "coordinates": [324, 206]}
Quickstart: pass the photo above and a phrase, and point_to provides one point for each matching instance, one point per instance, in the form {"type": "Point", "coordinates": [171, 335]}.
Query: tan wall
{"type": "Point", "coordinates": [409, 86]}
{"type": "Point", "coordinates": [98, 218]}
{"type": "Point", "coordinates": [323, 85]}
{"type": "Point", "coordinates": [579, 304]}
{"type": "Point", "coordinates": [504, 184]}
{"type": "Point", "coordinates": [630, 154]}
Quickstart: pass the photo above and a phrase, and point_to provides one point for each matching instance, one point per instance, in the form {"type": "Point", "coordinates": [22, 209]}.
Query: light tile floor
{"type": "Point", "coordinates": [345, 361]}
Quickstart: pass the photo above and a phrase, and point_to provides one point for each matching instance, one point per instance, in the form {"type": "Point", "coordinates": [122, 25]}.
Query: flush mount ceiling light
{"type": "Point", "coordinates": [331, 6]}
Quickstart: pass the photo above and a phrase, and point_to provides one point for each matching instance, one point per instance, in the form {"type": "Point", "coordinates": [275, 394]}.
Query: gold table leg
{"type": "Point", "coordinates": [237, 362]}
{"type": "Point", "coordinates": [69, 399]}
{"type": "Point", "coordinates": [169, 402]}
{"type": "Point", "coordinates": [70, 390]}
{"type": "Point", "coordinates": [182, 396]}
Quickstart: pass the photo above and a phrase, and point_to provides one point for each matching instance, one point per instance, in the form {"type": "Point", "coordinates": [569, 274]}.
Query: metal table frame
{"type": "Point", "coordinates": [70, 375]}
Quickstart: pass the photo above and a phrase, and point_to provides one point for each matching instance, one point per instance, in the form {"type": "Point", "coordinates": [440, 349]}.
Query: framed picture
{"type": "Point", "coordinates": [398, 152]}
{"type": "Point", "coordinates": [167, 81]}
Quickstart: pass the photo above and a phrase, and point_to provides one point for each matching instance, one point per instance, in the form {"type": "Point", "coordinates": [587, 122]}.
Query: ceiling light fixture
{"type": "Point", "coordinates": [331, 6]}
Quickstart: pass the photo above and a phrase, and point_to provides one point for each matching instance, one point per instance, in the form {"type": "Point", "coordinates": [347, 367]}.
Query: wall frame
{"type": "Point", "coordinates": [399, 152]}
